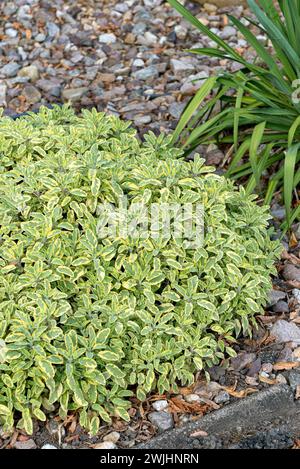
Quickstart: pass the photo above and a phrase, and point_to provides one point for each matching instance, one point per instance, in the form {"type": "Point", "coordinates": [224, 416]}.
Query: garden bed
{"type": "Point", "coordinates": [153, 102]}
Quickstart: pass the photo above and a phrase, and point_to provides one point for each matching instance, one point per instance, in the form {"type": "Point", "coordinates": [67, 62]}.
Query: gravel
{"type": "Point", "coordinates": [65, 48]}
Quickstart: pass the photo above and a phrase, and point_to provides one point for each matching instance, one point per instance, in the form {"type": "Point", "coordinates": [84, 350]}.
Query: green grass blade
{"type": "Point", "coordinates": [201, 94]}
{"type": "Point", "coordinates": [254, 144]}
{"type": "Point", "coordinates": [289, 173]}
{"type": "Point", "coordinates": [293, 130]}
{"type": "Point", "coordinates": [276, 35]}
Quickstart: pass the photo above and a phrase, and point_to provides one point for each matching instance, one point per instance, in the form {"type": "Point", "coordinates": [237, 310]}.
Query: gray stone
{"type": "Point", "coordinates": [285, 331]}
{"type": "Point", "coordinates": [113, 437]}
{"type": "Point", "coordinates": [107, 38]}
{"type": "Point", "coordinates": [162, 420]}
{"type": "Point", "coordinates": [175, 109]}
{"type": "Point", "coordinates": [142, 119]}
{"type": "Point", "coordinates": [40, 37]}
{"type": "Point", "coordinates": [296, 230]}
{"type": "Point", "coordinates": [193, 83]}
{"type": "Point", "coordinates": [105, 445]}
{"type": "Point", "coordinates": [73, 94]}
{"type": "Point", "coordinates": [146, 73]}
{"type": "Point", "coordinates": [30, 72]}
{"type": "Point", "coordinates": [10, 69]}
{"type": "Point", "coordinates": [192, 398]}
{"type": "Point", "coordinates": [222, 397]}
{"type": "Point", "coordinates": [53, 30]}
{"type": "Point", "coordinates": [228, 32]}
{"type": "Point", "coordinates": [275, 296]}
{"type": "Point", "coordinates": [139, 28]}
{"type": "Point", "coordinates": [3, 89]}
{"type": "Point", "coordinates": [160, 405]}
{"type": "Point", "coordinates": [294, 378]}
{"type": "Point", "coordinates": [32, 94]}
{"type": "Point", "coordinates": [291, 272]}
{"type": "Point", "coordinates": [178, 66]}
{"type": "Point", "coordinates": [242, 360]}
{"type": "Point", "coordinates": [28, 444]}
{"type": "Point", "coordinates": [278, 213]}
{"type": "Point", "coordinates": [147, 39]}
{"type": "Point", "coordinates": [24, 13]}
{"type": "Point", "coordinates": [281, 307]}
{"type": "Point", "coordinates": [48, 446]}
{"type": "Point", "coordinates": [52, 87]}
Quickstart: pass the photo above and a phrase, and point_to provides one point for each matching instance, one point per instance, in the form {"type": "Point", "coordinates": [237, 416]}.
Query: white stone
{"type": "Point", "coordinates": [107, 38]}
{"type": "Point", "coordinates": [48, 446]}
{"type": "Point", "coordinates": [180, 31]}
{"type": "Point", "coordinates": [160, 405]}
{"type": "Point", "coordinates": [138, 63]}
{"type": "Point", "coordinates": [296, 294]}
{"type": "Point", "coordinates": [150, 38]}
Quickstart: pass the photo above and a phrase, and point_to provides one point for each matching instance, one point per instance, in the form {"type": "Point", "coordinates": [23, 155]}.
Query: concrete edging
{"type": "Point", "coordinates": [274, 406]}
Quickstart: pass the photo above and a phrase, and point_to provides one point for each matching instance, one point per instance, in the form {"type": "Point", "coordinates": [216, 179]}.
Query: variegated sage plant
{"type": "Point", "coordinates": [85, 322]}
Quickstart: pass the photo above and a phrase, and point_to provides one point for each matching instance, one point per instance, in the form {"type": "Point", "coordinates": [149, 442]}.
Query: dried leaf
{"type": "Point", "coordinates": [296, 444]}
{"type": "Point", "coordinates": [263, 379]}
{"type": "Point", "coordinates": [293, 241]}
{"type": "Point", "coordinates": [239, 394]}
{"type": "Point", "coordinates": [285, 365]}
{"type": "Point", "coordinates": [291, 257]}
{"type": "Point", "coordinates": [177, 405]}
{"type": "Point", "coordinates": [297, 395]}
{"type": "Point", "coordinates": [198, 433]}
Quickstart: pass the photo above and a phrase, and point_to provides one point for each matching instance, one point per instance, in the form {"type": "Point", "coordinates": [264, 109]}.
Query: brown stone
{"type": "Point", "coordinates": [130, 38]}
{"type": "Point", "coordinates": [106, 77]}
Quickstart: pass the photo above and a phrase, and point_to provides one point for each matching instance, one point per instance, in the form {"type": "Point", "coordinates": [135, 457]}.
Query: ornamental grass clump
{"type": "Point", "coordinates": [88, 321]}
